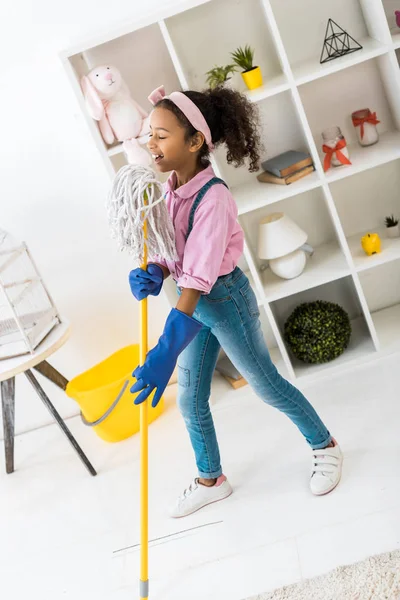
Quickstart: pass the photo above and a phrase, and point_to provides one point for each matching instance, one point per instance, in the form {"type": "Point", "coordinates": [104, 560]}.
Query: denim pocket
{"type": "Point", "coordinates": [250, 299]}
{"type": "Point", "coordinates": [219, 293]}
{"type": "Point", "coordinates": [183, 377]}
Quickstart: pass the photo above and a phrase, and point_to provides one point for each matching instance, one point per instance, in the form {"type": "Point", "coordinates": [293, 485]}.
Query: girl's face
{"type": "Point", "coordinates": [170, 150]}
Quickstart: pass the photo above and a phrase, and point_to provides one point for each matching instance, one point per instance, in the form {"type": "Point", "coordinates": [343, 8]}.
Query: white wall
{"type": "Point", "coordinates": [53, 186]}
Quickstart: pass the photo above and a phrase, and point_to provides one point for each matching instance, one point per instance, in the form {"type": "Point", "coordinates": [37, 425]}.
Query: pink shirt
{"type": "Point", "coordinates": [216, 242]}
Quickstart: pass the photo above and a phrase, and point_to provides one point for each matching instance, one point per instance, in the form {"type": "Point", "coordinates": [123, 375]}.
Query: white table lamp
{"type": "Point", "coordinates": [280, 241]}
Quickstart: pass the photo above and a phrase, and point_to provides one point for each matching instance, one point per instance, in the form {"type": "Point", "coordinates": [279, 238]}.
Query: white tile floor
{"type": "Point", "coordinates": [60, 528]}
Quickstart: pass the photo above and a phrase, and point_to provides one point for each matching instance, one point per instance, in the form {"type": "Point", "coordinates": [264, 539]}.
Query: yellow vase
{"type": "Point", "coordinates": [371, 244]}
{"type": "Point", "coordinates": [253, 79]}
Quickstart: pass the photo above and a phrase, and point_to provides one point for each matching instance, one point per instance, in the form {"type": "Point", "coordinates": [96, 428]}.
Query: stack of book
{"type": "Point", "coordinates": [286, 168]}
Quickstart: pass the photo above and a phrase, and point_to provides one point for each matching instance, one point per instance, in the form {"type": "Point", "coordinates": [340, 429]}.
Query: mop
{"type": "Point", "coordinates": [140, 222]}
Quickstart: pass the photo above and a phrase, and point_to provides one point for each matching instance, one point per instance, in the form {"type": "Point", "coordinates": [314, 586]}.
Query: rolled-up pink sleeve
{"type": "Point", "coordinates": [205, 248]}
{"type": "Point", "coordinates": [159, 260]}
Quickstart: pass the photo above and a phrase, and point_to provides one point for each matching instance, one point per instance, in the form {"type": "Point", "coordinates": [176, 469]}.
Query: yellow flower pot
{"type": "Point", "coordinates": [371, 244]}
{"type": "Point", "coordinates": [253, 78]}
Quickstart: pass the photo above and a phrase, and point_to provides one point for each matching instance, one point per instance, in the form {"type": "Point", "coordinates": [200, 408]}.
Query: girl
{"type": "Point", "coordinates": [216, 307]}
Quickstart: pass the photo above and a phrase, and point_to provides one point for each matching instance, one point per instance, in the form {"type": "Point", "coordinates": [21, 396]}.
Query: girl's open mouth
{"type": "Point", "coordinates": [157, 157]}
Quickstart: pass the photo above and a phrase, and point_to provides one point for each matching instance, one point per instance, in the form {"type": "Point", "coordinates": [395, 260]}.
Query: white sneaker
{"type": "Point", "coordinates": [197, 496]}
{"type": "Point", "coordinates": [326, 470]}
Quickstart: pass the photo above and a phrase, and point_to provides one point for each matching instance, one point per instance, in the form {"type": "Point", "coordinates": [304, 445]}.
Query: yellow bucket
{"type": "Point", "coordinates": [103, 394]}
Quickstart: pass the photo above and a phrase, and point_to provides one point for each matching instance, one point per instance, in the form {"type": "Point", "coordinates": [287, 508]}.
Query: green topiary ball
{"type": "Point", "coordinates": [318, 332]}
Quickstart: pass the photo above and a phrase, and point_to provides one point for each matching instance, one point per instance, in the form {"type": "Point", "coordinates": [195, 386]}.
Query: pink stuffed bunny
{"type": "Point", "coordinates": [108, 101]}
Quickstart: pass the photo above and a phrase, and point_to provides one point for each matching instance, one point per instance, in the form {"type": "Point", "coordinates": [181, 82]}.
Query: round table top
{"type": "Point", "coordinates": [9, 367]}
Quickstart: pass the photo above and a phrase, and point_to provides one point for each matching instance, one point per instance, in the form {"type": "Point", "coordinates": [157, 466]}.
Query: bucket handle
{"type": "Point", "coordinates": [108, 411]}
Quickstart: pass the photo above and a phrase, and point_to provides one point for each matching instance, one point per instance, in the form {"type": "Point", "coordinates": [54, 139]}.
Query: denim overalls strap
{"type": "Point", "coordinates": [199, 198]}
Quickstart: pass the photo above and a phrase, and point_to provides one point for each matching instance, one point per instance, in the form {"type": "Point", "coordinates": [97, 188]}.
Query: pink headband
{"type": "Point", "coordinates": [189, 109]}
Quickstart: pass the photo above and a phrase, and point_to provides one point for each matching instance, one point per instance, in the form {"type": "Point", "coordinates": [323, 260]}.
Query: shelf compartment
{"type": "Point", "coordinates": [341, 292]}
{"type": "Point", "coordinates": [280, 130]}
{"type": "Point", "coordinates": [382, 292]}
{"type": "Point", "coordinates": [118, 161]}
{"type": "Point", "coordinates": [141, 76]}
{"type": "Point", "coordinates": [369, 85]}
{"type": "Point", "coordinates": [310, 71]}
{"type": "Point", "coordinates": [275, 85]}
{"type": "Point", "coordinates": [387, 325]}
{"type": "Point", "coordinates": [363, 202]}
{"type": "Point", "coordinates": [363, 158]}
{"type": "Point", "coordinates": [114, 150]}
{"type": "Point", "coordinates": [362, 262]}
{"type": "Point", "coordinates": [253, 195]}
{"type": "Point", "coordinates": [328, 263]}
{"type": "Point", "coordinates": [360, 349]}
{"type": "Point", "coordinates": [220, 27]}
{"type": "Point", "coordinates": [309, 19]}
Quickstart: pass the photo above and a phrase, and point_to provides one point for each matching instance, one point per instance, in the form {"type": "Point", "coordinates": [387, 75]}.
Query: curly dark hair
{"type": "Point", "coordinates": [233, 120]}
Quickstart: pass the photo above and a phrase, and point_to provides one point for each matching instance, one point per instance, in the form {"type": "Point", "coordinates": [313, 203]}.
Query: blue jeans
{"type": "Point", "coordinates": [230, 316]}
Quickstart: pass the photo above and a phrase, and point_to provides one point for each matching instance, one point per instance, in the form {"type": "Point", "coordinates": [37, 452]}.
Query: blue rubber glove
{"type": "Point", "coordinates": [145, 283]}
{"type": "Point", "coordinates": [160, 363]}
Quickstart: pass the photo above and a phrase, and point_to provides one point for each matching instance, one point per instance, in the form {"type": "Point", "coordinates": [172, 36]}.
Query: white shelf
{"type": "Point", "coordinates": [387, 324]}
{"type": "Point", "coordinates": [362, 262]}
{"type": "Point", "coordinates": [363, 158]}
{"type": "Point", "coordinates": [274, 86]}
{"type": "Point", "coordinates": [327, 264]}
{"type": "Point", "coordinates": [118, 149]}
{"type": "Point", "coordinates": [360, 349]}
{"type": "Point", "coordinates": [250, 196]}
{"type": "Point", "coordinates": [287, 36]}
{"type": "Point", "coordinates": [311, 70]}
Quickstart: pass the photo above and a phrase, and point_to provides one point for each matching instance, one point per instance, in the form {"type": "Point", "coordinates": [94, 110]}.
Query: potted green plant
{"type": "Point", "coordinates": [220, 75]}
{"type": "Point", "coordinates": [392, 226]}
{"type": "Point", "coordinates": [244, 58]}
{"type": "Point", "coordinates": [318, 332]}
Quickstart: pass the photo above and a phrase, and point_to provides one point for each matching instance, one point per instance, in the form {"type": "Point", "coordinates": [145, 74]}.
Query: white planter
{"type": "Point", "coordinates": [393, 232]}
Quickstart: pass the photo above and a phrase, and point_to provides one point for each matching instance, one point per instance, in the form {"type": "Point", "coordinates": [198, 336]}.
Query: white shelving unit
{"type": "Point", "coordinates": [298, 100]}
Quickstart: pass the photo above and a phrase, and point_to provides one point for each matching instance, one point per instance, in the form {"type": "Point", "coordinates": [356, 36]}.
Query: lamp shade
{"type": "Point", "coordinates": [278, 236]}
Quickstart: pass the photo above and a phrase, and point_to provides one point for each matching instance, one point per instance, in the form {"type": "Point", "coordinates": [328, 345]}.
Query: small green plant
{"type": "Point", "coordinates": [391, 221]}
{"type": "Point", "coordinates": [219, 75]}
{"type": "Point", "coordinates": [243, 58]}
{"type": "Point", "coordinates": [318, 332]}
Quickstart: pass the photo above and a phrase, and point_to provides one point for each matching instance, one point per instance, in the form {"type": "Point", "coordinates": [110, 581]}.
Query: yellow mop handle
{"type": "Point", "coordinates": [144, 450]}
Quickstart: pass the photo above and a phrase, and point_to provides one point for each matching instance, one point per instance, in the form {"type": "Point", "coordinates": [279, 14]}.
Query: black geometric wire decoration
{"type": "Point", "coordinates": [337, 43]}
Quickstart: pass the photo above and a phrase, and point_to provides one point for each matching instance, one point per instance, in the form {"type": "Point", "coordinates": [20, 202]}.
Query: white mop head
{"type": "Point", "coordinates": [127, 212]}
